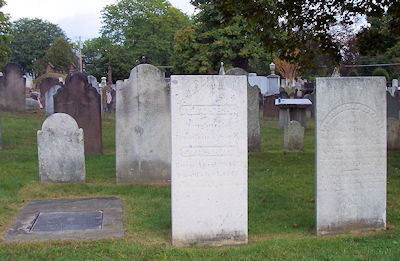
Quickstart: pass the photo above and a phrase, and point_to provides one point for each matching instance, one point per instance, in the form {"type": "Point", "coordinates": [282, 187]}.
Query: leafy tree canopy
{"type": "Point", "coordinates": [284, 26]}
{"type": "Point", "coordinates": [144, 28]}
{"type": "Point", "coordinates": [31, 38]}
{"type": "Point", "coordinates": [5, 36]}
{"type": "Point", "coordinates": [201, 47]}
{"type": "Point", "coordinates": [59, 54]}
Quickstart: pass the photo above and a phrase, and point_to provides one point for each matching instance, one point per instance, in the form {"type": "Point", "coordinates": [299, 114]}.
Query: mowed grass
{"type": "Point", "coordinates": [281, 205]}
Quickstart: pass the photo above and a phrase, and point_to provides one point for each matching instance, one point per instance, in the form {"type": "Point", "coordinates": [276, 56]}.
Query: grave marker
{"type": "Point", "coordinates": [50, 99]}
{"type": "Point", "coordinates": [209, 159]}
{"type": "Point", "coordinates": [350, 154]}
{"type": "Point", "coordinates": [60, 150]}
{"type": "Point", "coordinates": [293, 136]}
{"type": "Point", "coordinates": [12, 88]}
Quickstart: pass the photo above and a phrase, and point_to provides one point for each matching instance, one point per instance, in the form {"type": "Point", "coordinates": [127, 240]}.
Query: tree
{"type": "Point", "coordinates": [31, 39]}
{"type": "Point", "coordinates": [201, 47]}
{"type": "Point", "coordinates": [144, 28]}
{"type": "Point", "coordinates": [284, 26]}
{"type": "Point", "coordinates": [59, 54]}
{"type": "Point", "coordinates": [5, 36]}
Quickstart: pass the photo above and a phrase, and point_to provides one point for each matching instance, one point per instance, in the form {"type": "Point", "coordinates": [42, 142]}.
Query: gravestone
{"type": "Point", "coordinates": [93, 82]}
{"type": "Point", "coordinates": [269, 108]}
{"type": "Point", "coordinates": [392, 106]}
{"type": "Point", "coordinates": [310, 96]}
{"type": "Point", "coordinates": [12, 88]}
{"type": "Point", "coordinates": [78, 99]}
{"type": "Point", "coordinates": [253, 113]}
{"type": "Point", "coordinates": [31, 104]}
{"type": "Point", "coordinates": [143, 141]}
{"type": "Point", "coordinates": [350, 154]}
{"type": "Point", "coordinates": [293, 136]}
{"type": "Point", "coordinates": [44, 86]}
{"type": "Point", "coordinates": [209, 159]}
{"type": "Point", "coordinates": [393, 134]}
{"type": "Point", "coordinates": [50, 99]}
{"type": "Point", "coordinates": [60, 150]}
{"type": "Point", "coordinates": [1, 135]}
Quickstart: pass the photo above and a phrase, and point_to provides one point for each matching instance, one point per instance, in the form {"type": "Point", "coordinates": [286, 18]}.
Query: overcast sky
{"type": "Point", "coordinates": [75, 17]}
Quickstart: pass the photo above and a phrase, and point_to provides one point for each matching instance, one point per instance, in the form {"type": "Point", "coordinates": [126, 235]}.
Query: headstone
{"type": "Point", "coordinates": [269, 108]}
{"type": "Point", "coordinates": [311, 97]}
{"type": "Point", "coordinates": [350, 154]}
{"type": "Point", "coordinates": [293, 136]}
{"type": "Point", "coordinates": [143, 137]}
{"type": "Point", "coordinates": [1, 135]}
{"type": "Point", "coordinates": [393, 134]}
{"type": "Point", "coordinates": [261, 82]}
{"type": "Point", "coordinates": [12, 88]}
{"type": "Point", "coordinates": [209, 160]}
{"type": "Point", "coordinates": [44, 85]}
{"type": "Point", "coordinates": [392, 106]}
{"type": "Point", "coordinates": [60, 150]}
{"type": "Point", "coordinates": [93, 81]}
{"type": "Point", "coordinates": [31, 104]}
{"type": "Point", "coordinates": [50, 99]}
{"type": "Point", "coordinates": [253, 113]}
{"type": "Point", "coordinates": [78, 99]}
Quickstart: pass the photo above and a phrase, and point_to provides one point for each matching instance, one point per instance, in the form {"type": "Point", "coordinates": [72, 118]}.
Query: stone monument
{"type": "Point", "coordinates": [143, 136]}
{"type": "Point", "coordinates": [44, 86]}
{"type": "Point", "coordinates": [209, 159]}
{"type": "Point", "coordinates": [393, 134]}
{"type": "Point", "coordinates": [293, 136]}
{"type": "Point", "coordinates": [12, 88]}
{"type": "Point", "coordinates": [60, 150]}
{"type": "Point", "coordinates": [78, 99]}
{"type": "Point", "coordinates": [50, 99]}
{"type": "Point", "coordinates": [350, 154]}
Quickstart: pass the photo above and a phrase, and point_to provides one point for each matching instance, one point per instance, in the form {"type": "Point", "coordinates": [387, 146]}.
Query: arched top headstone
{"type": "Point", "coordinates": [236, 71]}
{"type": "Point", "coordinates": [13, 68]}
{"type": "Point", "coordinates": [145, 71]}
{"type": "Point", "coordinates": [60, 122]}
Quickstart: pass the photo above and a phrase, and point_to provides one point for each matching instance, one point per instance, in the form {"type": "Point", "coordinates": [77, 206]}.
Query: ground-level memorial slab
{"type": "Point", "coordinates": [56, 219]}
{"type": "Point", "coordinates": [209, 160]}
{"type": "Point", "coordinates": [350, 154]}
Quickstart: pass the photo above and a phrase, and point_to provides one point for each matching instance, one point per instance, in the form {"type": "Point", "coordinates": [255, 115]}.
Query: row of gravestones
{"type": "Point", "coordinates": [208, 151]}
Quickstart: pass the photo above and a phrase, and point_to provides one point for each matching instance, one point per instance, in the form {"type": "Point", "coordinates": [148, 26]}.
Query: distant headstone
{"type": "Point", "coordinates": [293, 136]}
{"type": "Point", "coordinates": [253, 113]}
{"type": "Point", "coordinates": [311, 97]}
{"type": "Point", "coordinates": [261, 82]}
{"type": "Point", "coordinates": [93, 82]}
{"type": "Point", "coordinates": [393, 134]}
{"type": "Point", "coordinates": [31, 104]}
{"type": "Point", "coordinates": [60, 150]}
{"type": "Point", "coordinates": [1, 135]}
{"type": "Point", "coordinates": [209, 160]}
{"type": "Point", "coordinates": [269, 108]}
{"type": "Point", "coordinates": [350, 154]}
{"type": "Point", "coordinates": [12, 88]}
{"type": "Point", "coordinates": [44, 85]}
{"type": "Point", "coordinates": [392, 106]}
{"type": "Point", "coordinates": [143, 138]}
{"type": "Point", "coordinates": [50, 99]}
{"type": "Point", "coordinates": [78, 99]}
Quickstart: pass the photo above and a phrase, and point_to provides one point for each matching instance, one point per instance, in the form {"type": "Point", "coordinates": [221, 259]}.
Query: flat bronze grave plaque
{"type": "Point", "coordinates": [63, 221]}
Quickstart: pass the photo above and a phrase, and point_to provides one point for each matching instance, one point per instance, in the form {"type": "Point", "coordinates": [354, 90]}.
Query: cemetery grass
{"type": "Point", "coordinates": [281, 205]}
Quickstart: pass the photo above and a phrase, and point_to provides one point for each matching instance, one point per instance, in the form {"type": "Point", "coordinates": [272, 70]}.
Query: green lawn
{"type": "Point", "coordinates": [281, 205]}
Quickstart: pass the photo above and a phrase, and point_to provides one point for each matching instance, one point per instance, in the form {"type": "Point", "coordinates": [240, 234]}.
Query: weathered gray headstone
{"type": "Point", "coordinates": [350, 154]}
{"type": "Point", "coordinates": [12, 88]}
{"type": "Point", "coordinates": [31, 104]}
{"type": "Point", "coordinates": [44, 86]}
{"type": "Point", "coordinates": [293, 136]}
{"type": "Point", "coordinates": [392, 106]}
{"type": "Point", "coordinates": [93, 81]}
{"type": "Point", "coordinates": [50, 99]}
{"type": "Point", "coordinates": [209, 159]}
{"type": "Point", "coordinates": [253, 112]}
{"type": "Point", "coordinates": [60, 150]}
{"type": "Point", "coordinates": [143, 141]}
{"type": "Point", "coordinates": [393, 134]}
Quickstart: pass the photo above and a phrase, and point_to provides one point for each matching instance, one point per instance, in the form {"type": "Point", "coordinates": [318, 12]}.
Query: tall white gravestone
{"type": "Point", "coordinates": [50, 99]}
{"type": "Point", "coordinates": [350, 154]}
{"type": "Point", "coordinates": [209, 159]}
{"type": "Point", "coordinates": [143, 128]}
{"type": "Point", "coordinates": [61, 150]}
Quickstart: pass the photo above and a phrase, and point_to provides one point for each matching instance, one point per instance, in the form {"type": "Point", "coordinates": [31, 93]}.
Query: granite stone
{"type": "Point", "coordinates": [50, 99]}
{"type": "Point", "coordinates": [392, 106]}
{"type": "Point", "coordinates": [350, 154]}
{"type": "Point", "coordinates": [209, 160]}
{"type": "Point", "coordinates": [44, 86]}
{"type": "Point", "coordinates": [12, 88]}
{"type": "Point", "coordinates": [393, 134]}
{"type": "Point", "coordinates": [293, 136]}
{"type": "Point", "coordinates": [143, 132]}
{"type": "Point", "coordinates": [60, 150]}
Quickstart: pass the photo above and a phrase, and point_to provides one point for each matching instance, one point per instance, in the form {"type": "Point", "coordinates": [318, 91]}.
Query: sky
{"type": "Point", "coordinates": [75, 17]}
